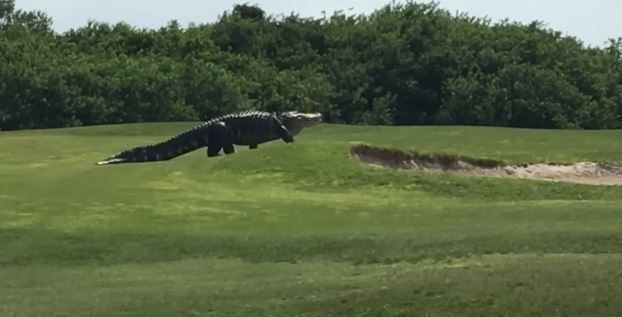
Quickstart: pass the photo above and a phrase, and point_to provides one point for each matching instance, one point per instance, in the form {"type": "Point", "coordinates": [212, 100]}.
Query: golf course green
{"type": "Point", "coordinates": [305, 229]}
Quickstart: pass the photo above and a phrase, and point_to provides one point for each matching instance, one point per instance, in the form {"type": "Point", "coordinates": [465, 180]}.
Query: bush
{"type": "Point", "coordinates": [411, 63]}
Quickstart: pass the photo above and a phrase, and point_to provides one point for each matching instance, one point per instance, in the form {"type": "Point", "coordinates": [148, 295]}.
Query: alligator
{"type": "Point", "coordinates": [249, 128]}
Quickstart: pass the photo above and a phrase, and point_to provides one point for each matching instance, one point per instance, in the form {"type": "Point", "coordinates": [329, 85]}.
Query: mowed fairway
{"type": "Point", "coordinates": [303, 229]}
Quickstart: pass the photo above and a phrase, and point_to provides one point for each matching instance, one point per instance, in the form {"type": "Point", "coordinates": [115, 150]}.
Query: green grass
{"type": "Point", "coordinates": [302, 229]}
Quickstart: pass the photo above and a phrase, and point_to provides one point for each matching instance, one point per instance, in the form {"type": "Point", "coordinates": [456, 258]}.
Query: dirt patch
{"type": "Point", "coordinates": [583, 172]}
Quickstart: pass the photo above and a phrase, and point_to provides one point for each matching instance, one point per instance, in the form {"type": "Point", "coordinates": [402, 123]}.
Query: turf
{"type": "Point", "coordinates": [303, 229]}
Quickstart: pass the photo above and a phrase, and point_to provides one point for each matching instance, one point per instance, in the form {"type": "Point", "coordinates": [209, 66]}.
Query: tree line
{"type": "Point", "coordinates": [403, 64]}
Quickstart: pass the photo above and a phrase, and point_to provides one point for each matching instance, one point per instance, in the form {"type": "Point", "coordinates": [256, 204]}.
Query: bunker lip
{"type": "Point", "coordinates": [583, 172]}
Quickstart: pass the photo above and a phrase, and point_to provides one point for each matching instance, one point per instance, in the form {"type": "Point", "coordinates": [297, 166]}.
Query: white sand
{"type": "Point", "coordinates": [583, 172]}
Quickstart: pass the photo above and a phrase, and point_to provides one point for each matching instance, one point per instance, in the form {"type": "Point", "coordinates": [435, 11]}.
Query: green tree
{"type": "Point", "coordinates": [405, 63]}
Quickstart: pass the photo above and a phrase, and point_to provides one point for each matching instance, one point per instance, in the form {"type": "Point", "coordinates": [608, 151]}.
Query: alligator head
{"type": "Point", "coordinates": [295, 121]}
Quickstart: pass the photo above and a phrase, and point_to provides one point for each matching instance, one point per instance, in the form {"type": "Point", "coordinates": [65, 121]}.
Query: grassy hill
{"type": "Point", "coordinates": [303, 229]}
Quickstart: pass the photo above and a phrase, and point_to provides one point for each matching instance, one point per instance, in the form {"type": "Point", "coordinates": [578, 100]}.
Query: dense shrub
{"type": "Point", "coordinates": [410, 63]}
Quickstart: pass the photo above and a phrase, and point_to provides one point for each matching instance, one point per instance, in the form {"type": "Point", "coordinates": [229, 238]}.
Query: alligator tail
{"type": "Point", "coordinates": [163, 151]}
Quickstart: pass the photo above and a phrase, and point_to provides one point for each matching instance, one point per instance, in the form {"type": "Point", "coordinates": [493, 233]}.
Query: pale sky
{"type": "Point", "coordinates": [592, 21]}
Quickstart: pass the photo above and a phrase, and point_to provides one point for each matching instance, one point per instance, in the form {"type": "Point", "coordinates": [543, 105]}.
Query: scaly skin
{"type": "Point", "coordinates": [249, 128]}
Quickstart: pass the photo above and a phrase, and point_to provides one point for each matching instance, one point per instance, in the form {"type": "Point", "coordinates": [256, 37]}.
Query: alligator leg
{"type": "Point", "coordinates": [212, 150]}
{"type": "Point", "coordinates": [217, 139]}
{"type": "Point", "coordinates": [285, 135]}
{"type": "Point", "coordinates": [228, 148]}
{"type": "Point", "coordinates": [227, 140]}
{"type": "Point", "coordinates": [252, 146]}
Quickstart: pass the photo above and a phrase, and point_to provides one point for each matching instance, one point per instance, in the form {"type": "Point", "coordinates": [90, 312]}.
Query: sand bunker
{"type": "Point", "coordinates": [584, 172]}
